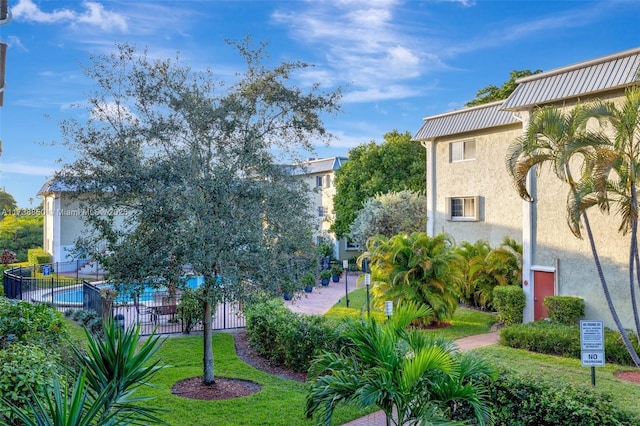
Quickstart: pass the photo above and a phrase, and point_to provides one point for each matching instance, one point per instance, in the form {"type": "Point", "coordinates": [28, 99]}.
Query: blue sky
{"type": "Point", "coordinates": [397, 61]}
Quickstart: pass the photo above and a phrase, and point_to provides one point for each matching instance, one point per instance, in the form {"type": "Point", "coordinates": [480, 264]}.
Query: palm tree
{"type": "Point", "coordinates": [556, 138]}
{"type": "Point", "coordinates": [475, 278]}
{"type": "Point", "coordinates": [615, 175]}
{"type": "Point", "coordinates": [486, 268]}
{"type": "Point", "coordinates": [417, 268]}
{"type": "Point", "coordinates": [410, 375]}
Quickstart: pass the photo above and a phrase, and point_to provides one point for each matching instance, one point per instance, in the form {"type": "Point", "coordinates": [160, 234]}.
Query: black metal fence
{"type": "Point", "coordinates": [151, 309]}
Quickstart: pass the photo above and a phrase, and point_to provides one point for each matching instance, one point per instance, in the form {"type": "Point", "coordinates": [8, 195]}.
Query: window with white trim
{"type": "Point", "coordinates": [463, 209]}
{"type": "Point", "coordinates": [462, 151]}
{"type": "Point", "coordinates": [318, 181]}
{"type": "Point", "coordinates": [322, 211]}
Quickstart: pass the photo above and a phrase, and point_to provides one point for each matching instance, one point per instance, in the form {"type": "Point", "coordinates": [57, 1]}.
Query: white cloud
{"type": "Point", "coordinates": [94, 15]}
{"type": "Point", "coordinates": [27, 169]}
{"type": "Point", "coordinates": [362, 46]}
{"type": "Point", "coordinates": [112, 110]}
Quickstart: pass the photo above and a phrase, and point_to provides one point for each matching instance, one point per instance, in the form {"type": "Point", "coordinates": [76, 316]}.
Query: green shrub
{"type": "Point", "coordinates": [23, 367]}
{"type": "Point", "coordinates": [79, 314]}
{"type": "Point", "coordinates": [286, 338]}
{"type": "Point", "coordinates": [190, 311]}
{"type": "Point", "coordinates": [554, 338]}
{"type": "Point", "coordinates": [614, 350]}
{"type": "Point", "coordinates": [509, 301]}
{"type": "Point", "coordinates": [36, 323]}
{"type": "Point", "coordinates": [564, 309]}
{"type": "Point", "coordinates": [68, 312]}
{"type": "Point", "coordinates": [89, 316]}
{"type": "Point", "coordinates": [38, 256]}
{"type": "Point", "coordinates": [529, 401]}
{"type": "Point", "coordinates": [543, 337]}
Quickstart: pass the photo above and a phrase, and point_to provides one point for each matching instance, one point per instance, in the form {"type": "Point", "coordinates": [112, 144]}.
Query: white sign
{"type": "Point", "coordinates": [592, 343]}
{"type": "Point", "coordinates": [592, 359]}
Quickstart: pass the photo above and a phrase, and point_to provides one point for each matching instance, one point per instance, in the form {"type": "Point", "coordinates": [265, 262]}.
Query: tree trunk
{"type": "Point", "coordinates": [207, 341]}
{"type": "Point", "coordinates": [607, 295]}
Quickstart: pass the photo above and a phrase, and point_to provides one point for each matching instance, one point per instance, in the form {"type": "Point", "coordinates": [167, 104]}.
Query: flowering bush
{"type": "Point", "coordinates": [7, 257]}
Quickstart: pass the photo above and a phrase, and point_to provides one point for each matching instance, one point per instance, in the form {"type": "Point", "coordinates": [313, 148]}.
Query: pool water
{"type": "Point", "coordinates": [75, 295]}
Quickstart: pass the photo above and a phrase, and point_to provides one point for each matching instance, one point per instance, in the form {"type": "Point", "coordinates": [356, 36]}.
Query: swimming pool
{"type": "Point", "coordinates": [74, 296]}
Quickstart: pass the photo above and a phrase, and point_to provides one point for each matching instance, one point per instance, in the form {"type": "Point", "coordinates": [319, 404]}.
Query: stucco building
{"type": "Point", "coordinates": [471, 196]}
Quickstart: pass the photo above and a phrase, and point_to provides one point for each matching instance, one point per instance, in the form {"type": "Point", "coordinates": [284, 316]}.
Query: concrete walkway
{"type": "Point", "coordinates": [321, 299]}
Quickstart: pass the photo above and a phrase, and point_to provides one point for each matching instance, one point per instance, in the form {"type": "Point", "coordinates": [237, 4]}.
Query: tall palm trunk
{"type": "Point", "coordinates": [603, 281]}
{"type": "Point", "coordinates": [607, 295]}
{"type": "Point", "coordinates": [633, 256]}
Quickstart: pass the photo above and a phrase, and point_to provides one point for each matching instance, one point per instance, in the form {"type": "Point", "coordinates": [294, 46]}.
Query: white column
{"type": "Point", "coordinates": [528, 234]}
{"type": "Point", "coordinates": [430, 147]}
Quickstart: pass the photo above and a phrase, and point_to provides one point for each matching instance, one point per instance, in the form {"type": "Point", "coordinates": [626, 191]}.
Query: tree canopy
{"type": "Point", "coordinates": [191, 171]}
{"type": "Point", "coordinates": [493, 93]}
{"type": "Point", "coordinates": [8, 204]}
{"type": "Point", "coordinates": [395, 165]}
{"type": "Point", "coordinates": [390, 214]}
{"type": "Point", "coordinates": [19, 233]}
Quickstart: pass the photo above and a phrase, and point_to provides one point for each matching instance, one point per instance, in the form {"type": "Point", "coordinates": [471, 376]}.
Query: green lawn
{"type": "Point", "coordinates": [281, 402]}
{"type": "Point", "coordinates": [466, 322]}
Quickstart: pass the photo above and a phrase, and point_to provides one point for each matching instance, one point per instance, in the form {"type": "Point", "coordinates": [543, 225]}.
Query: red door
{"type": "Point", "coordinates": [543, 286]}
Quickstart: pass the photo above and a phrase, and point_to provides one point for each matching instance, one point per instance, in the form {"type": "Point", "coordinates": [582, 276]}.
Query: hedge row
{"type": "Point", "coordinates": [289, 339]}
{"type": "Point", "coordinates": [531, 401]}
{"type": "Point", "coordinates": [564, 340]}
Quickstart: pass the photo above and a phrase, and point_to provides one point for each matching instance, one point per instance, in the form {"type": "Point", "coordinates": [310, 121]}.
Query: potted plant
{"type": "Point", "coordinates": [336, 272]}
{"type": "Point", "coordinates": [309, 281]}
{"type": "Point", "coordinates": [325, 276]}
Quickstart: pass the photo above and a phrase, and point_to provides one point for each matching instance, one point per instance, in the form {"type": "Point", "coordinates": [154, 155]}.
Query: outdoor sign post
{"type": "Point", "coordinates": [592, 345]}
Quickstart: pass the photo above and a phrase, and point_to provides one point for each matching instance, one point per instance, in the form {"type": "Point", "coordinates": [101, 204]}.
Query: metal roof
{"type": "Point", "coordinates": [609, 72]}
{"type": "Point", "coordinates": [53, 185]}
{"type": "Point", "coordinates": [465, 120]}
{"type": "Point", "coordinates": [318, 165]}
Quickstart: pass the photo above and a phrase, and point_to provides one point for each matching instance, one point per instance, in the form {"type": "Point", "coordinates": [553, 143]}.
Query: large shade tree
{"type": "Point", "coordinates": [8, 204]}
{"type": "Point", "coordinates": [600, 170]}
{"type": "Point", "coordinates": [397, 164]}
{"type": "Point", "coordinates": [185, 169]}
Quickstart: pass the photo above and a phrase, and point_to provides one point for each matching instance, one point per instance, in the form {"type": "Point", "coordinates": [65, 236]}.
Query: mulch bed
{"type": "Point", "coordinates": [227, 388]}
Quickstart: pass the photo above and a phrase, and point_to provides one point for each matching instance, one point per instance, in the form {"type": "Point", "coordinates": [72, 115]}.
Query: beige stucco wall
{"type": "Point", "coordinates": [485, 176]}
{"type": "Point", "coordinates": [576, 272]}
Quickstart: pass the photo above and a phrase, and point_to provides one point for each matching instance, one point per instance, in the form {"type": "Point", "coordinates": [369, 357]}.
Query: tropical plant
{"type": "Point", "coordinates": [416, 268]}
{"type": "Point", "coordinates": [557, 139]}
{"type": "Point", "coordinates": [414, 377]}
{"type": "Point", "coordinates": [486, 267]}
{"type": "Point", "coordinates": [108, 373]}
{"type": "Point", "coordinates": [118, 365]}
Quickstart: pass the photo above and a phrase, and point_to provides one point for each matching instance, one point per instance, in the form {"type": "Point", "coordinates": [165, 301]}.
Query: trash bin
{"type": "Point", "coordinates": [119, 321]}
{"type": "Point", "coordinates": [46, 270]}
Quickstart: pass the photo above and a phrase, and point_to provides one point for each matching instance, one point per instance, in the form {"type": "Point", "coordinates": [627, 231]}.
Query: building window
{"type": "Point", "coordinates": [463, 208]}
{"type": "Point", "coordinates": [322, 211]}
{"type": "Point", "coordinates": [327, 181]}
{"type": "Point", "coordinates": [318, 181]}
{"type": "Point", "coordinates": [462, 151]}
{"type": "Point", "coordinates": [351, 245]}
